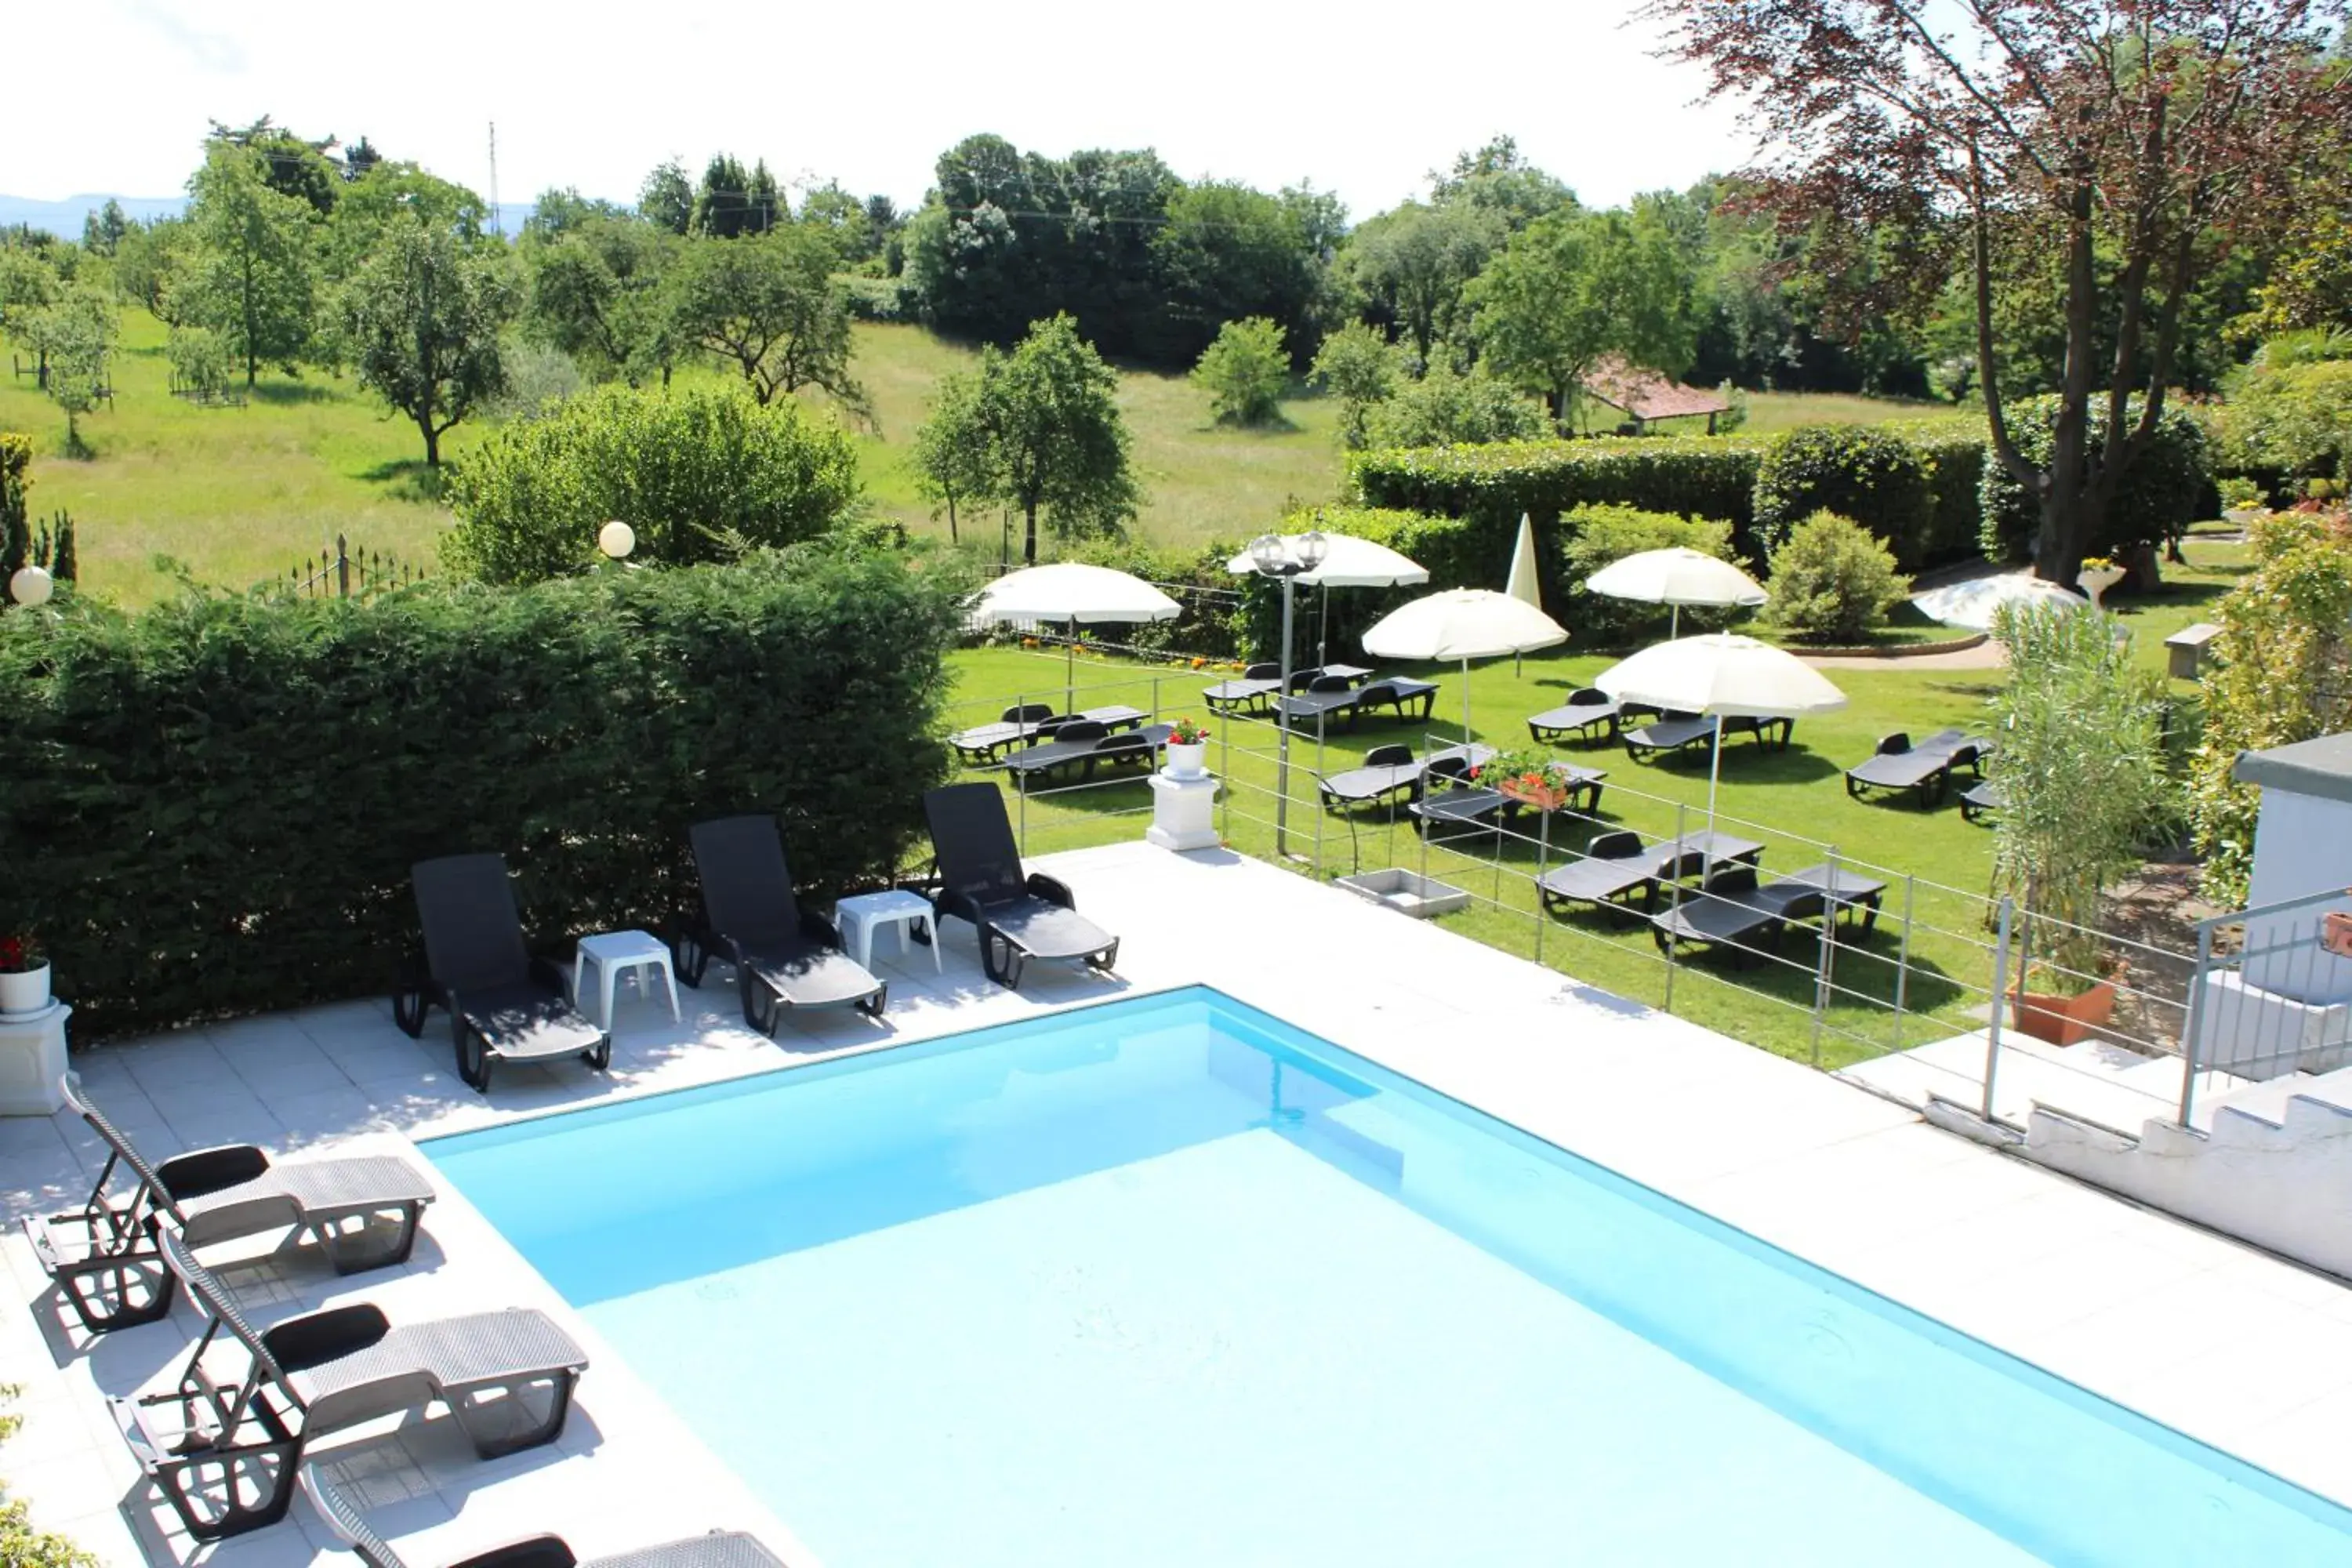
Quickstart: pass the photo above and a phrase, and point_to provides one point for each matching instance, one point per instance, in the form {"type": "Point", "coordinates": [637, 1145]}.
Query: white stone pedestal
{"type": "Point", "coordinates": [1183, 813]}
{"type": "Point", "coordinates": [32, 1060]}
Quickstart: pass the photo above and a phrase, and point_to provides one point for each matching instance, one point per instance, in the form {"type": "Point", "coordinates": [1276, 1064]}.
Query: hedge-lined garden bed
{"type": "Point", "coordinates": [212, 807]}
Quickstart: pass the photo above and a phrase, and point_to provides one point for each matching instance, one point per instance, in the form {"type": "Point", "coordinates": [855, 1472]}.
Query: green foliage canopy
{"type": "Point", "coordinates": [1833, 580]}
{"type": "Point", "coordinates": [423, 318]}
{"type": "Point", "coordinates": [1244, 371]}
{"type": "Point", "coordinates": [1574, 287]}
{"type": "Point", "coordinates": [250, 274]}
{"type": "Point", "coordinates": [766, 304]}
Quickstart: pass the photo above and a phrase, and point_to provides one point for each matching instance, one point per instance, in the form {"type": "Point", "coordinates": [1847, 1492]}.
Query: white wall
{"type": "Point", "coordinates": [2303, 844]}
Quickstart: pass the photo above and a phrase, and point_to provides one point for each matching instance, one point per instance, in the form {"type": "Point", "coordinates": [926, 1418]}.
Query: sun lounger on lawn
{"type": "Point", "coordinates": [103, 1254]}
{"type": "Point", "coordinates": [1387, 773]}
{"type": "Point", "coordinates": [1618, 864]}
{"type": "Point", "coordinates": [1017, 917]}
{"type": "Point", "coordinates": [1468, 802]}
{"type": "Point", "coordinates": [504, 1004]}
{"type": "Point", "coordinates": [1583, 711]}
{"type": "Point", "coordinates": [1731, 908]}
{"type": "Point", "coordinates": [1331, 695]}
{"type": "Point", "coordinates": [1250, 691]}
{"type": "Point", "coordinates": [1981, 801]}
{"type": "Point", "coordinates": [225, 1454]}
{"type": "Point", "coordinates": [1676, 731]}
{"type": "Point", "coordinates": [719, 1549]}
{"type": "Point", "coordinates": [784, 956]}
{"type": "Point", "coordinates": [1087, 746]}
{"type": "Point", "coordinates": [1925, 769]}
{"type": "Point", "coordinates": [1028, 722]}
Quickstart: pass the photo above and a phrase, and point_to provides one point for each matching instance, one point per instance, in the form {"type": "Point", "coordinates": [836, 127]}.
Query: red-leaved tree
{"type": "Point", "coordinates": [2134, 141]}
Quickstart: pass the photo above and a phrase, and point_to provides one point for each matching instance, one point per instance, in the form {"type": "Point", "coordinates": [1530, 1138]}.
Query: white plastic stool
{"type": "Point", "coordinates": [614, 951]}
{"type": "Point", "coordinates": [857, 918]}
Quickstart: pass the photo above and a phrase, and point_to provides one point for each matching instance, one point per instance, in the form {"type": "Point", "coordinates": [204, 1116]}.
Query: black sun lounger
{"type": "Point", "coordinates": [1731, 908]}
{"type": "Point", "coordinates": [504, 1004]}
{"type": "Point", "coordinates": [1017, 917]}
{"type": "Point", "coordinates": [1390, 774]}
{"type": "Point", "coordinates": [1584, 711]}
{"type": "Point", "coordinates": [1676, 731]}
{"type": "Point", "coordinates": [1617, 865]}
{"type": "Point", "coordinates": [1331, 695]}
{"type": "Point", "coordinates": [784, 956]}
{"type": "Point", "coordinates": [103, 1254]}
{"type": "Point", "coordinates": [1026, 722]}
{"type": "Point", "coordinates": [719, 1549]}
{"type": "Point", "coordinates": [1981, 801]}
{"type": "Point", "coordinates": [1467, 803]}
{"type": "Point", "coordinates": [1924, 769]}
{"type": "Point", "coordinates": [1087, 746]}
{"type": "Point", "coordinates": [225, 1454]}
{"type": "Point", "coordinates": [1247, 692]}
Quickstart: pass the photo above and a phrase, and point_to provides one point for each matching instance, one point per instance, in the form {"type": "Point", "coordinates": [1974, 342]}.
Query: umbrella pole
{"type": "Point", "coordinates": [1322, 625]}
{"type": "Point", "coordinates": [1713, 778]}
{"type": "Point", "coordinates": [1466, 704]}
{"type": "Point", "coordinates": [1673, 622]}
{"type": "Point", "coordinates": [1070, 670]}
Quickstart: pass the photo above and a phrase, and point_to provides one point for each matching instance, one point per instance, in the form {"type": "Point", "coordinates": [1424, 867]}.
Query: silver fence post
{"type": "Point", "coordinates": [1902, 956]}
{"type": "Point", "coordinates": [2000, 996]}
{"type": "Point", "coordinates": [1681, 832]}
{"type": "Point", "coordinates": [1825, 960]}
{"type": "Point", "coordinates": [1282, 739]}
{"type": "Point", "coordinates": [1225, 772]}
{"type": "Point", "coordinates": [1543, 858]}
{"type": "Point", "coordinates": [2189, 1025]}
{"type": "Point", "coordinates": [1155, 699]}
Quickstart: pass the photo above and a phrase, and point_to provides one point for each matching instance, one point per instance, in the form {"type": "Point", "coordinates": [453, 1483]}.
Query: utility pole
{"type": "Point", "coordinates": [498, 218]}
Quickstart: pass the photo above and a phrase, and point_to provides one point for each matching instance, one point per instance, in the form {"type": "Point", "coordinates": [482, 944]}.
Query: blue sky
{"type": "Point", "coordinates": [1364, 99]}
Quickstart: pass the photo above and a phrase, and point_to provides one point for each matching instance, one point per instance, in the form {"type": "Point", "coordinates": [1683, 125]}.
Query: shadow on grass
{"type": "Point", "coordinates": [1274, 424]}
{"type": "Point", "coordinates": [1742, 764]}
{"type": "Point", "coordinates": [408, 479]}
{"type": "Point", "coordinates": [288, 393]}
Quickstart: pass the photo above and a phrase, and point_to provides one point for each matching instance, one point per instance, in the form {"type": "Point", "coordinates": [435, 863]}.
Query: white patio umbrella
{"type": "Point", "coordinates": [1462, 624]}
{"type": "Point", "coordinates": [1723, 675]}
{"type": "Point", "coordinates": [1069, 591]}
{"type": "Point", "coordinates": [1971, 604]}
{"type": "Point", "coordinates": [1348, 562]}
{"type": "Point", "coordinates": [1678, 577]}
{"type": "Point", "coordinates": [1523, 585]}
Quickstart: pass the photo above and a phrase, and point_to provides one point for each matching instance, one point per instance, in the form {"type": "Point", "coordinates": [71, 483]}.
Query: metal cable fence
{"type": "Point", "coordinates": [1909, 987]}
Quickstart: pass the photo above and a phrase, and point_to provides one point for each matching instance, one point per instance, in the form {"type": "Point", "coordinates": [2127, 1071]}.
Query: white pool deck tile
{"type": "Point", "coordinates": [2224, 1342]}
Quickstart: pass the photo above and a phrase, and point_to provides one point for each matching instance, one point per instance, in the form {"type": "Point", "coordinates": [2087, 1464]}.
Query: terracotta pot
{"type": "Point", "coordinates": [1542, 798]}
{"type": "Point", "coordinates": [2063, 1020]}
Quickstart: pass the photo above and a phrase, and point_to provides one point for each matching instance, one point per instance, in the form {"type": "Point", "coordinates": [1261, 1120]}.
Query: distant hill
{"type": "Point", "coordinates": [64, 219]}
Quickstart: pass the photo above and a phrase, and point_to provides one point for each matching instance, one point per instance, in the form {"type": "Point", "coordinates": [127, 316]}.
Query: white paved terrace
{"type": "Point", "coordinates": [2232, 1346]}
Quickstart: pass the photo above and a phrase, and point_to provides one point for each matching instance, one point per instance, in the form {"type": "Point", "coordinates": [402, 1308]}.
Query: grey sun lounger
{"type": "Point", "coordinates": [1469, 803]}
{"type": "Point", "coordinates": [719, 1549]}
{"type": "Point", "coordinates": [225, 1455]}
{"type": "Point", "coordinates": [1389, 774]}
{"type": "Point", "coordinates": [1584, 710]}
{"type": "Point", "coordinates": [504, 1004]}
{"type": "Point", "coordinates": [1731, 908]}
{"type": "Point", "coordinates": [1675, 730]}
{"type": "Point", "coordinates": [784, 956]}
{"type": "Point", "coordinates": [1923, 769]}
{"type": "Point", "coordinates": [1333, 696]}
{"type": "Point", "coordinates": [1017, 917]}
{"type": "Point", "coordinates": [1618, 866]}
{"type": "Point", "coordinates": [1981, 801]}
{"type": "Point", "coordinates": [103, 1254]}
{"type": "Point", "coordinates": [1246, 693]}
{"type": "Point", "coordinates": [1024, 723]}
{"type": "Point", "coordinates": [1087, 746]}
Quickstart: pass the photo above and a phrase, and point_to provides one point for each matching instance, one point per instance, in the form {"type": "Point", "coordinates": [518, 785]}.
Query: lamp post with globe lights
{"type": "Point", "coordinates": [1285, 559]}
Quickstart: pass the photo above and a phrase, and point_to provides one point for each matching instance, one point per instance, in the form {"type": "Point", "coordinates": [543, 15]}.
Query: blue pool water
{"type": "Point", "coordinates": [1168, 1282]}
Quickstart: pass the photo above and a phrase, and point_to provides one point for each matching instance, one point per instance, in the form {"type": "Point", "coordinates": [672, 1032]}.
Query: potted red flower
{"type": "Point", "coordinates": [24, 974]}
{"type": "Point", "coordinates": [1524, 777]}
{"type": "Point", "coordinates": [1188, 750]}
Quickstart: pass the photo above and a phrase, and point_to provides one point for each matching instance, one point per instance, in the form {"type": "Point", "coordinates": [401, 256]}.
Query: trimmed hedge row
{"type": "Point", "coordinates": [212, 807]}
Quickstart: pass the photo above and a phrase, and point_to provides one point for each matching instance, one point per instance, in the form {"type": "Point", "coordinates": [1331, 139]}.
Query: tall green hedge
{"type": "Point", "coordinates": [1449, 547]}
{"type": "Point", "coordinates": [212, 807]}
{"type": "Point", "coordinates": [1870, 475]}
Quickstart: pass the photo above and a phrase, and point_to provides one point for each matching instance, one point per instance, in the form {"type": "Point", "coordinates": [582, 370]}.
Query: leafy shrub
{"type": "Point", "coordinates": [694, 471]}
{"type": "Point", "coordinates": [1833, 580]}
{"type": "Point", "coordinates": [1874, 477]}
{"type": "Point", "coordinates": [1357, 365]}
{"type": "Point", "coordinates": [877, 299]}
{"type": "Point", "coordinates": [170, 774]}
{"type": "Point", "coordinates": [2295, 415]}
{"type": "Point", "coordinates": [1596, 535]}
{"type": "Point", "coordinates": [2281, 672]}
{"type": "Point", "coordinates": [199, 363]}
{"type": "Point", "coordinates": [1244, 371]}
{"type": "Point", "coordinates": [537, 375]}
{"type": "Point", "coordinates": [2240, 493]}
{"type": "Point", "coordinates": [1445, 408]}
{"type": "Point", "coordinates": [2168, 486]}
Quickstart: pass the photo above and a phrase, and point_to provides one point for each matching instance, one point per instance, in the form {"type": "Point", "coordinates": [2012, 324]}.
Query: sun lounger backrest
{"type": "Point", "coordinates": [88, 1111]}
{"type": "Point", "coordinates": [213, 1298]}
{"type": "Point", "coordinates": [1456, 769]}
{"type": "Point", "coordinates": [473, 935]}
{"type": "Point", "coordinates": [347, 1521]}
{"type": "Point", "coordinates": [1622, 845]}
{"type": "Point", "coordinates": [1391, 756]}
{"type": "Point", "coordinates": [1728, 880]}
{"type": "Point", "coordinates": [747, 889]}
{"type": "Point", "coordinates": [1894, 745]}
{"type": "Point", "coordinates": [1263, 672]}
{"type": "Point", "coordinates": [1329, 683]}
{"type": "Point", "coordinates": [1028, 712]}
{"type": "Point", "coordinates": [1086, 729]}
{"type": "Point", "coordinates": [972, 838]}
{"type": "Point", "coordinates": [1588, 697]}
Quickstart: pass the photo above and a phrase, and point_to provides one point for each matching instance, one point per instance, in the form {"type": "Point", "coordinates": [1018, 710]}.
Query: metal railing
{"type": "Point", "coordinates": [1916, 991]}
{"type": "Point", "coordinates": [2270, 995]}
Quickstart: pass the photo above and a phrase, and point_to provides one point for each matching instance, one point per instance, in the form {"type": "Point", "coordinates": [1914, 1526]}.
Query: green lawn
{"type": "Point", "coordinates": [1794, 801]}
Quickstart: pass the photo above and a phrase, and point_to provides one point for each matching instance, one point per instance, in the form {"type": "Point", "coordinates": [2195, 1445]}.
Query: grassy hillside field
{"type": "Point", "coordinates": [239, 494]}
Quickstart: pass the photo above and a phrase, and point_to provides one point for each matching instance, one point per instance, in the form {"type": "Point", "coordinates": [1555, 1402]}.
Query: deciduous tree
{"type": "Point", "coordinates": [599, 293]}
{"type": "Point", "coordinates": [766, 304]}
{"type": "Point", "coordinates": [668, 197]}
{"type": "Point", "coordinates": [955, 456]}
{"type": "Point", "coordinates": [2164, 132]}
{"type": "Point", "coordinates": [1357, 365]}
{"type": "Point", "coordinates": [251, 272]}
{"type": "Point", "coordinates": [73, 336]}
{"type": "Point", "coordinates": [1412, 262]}
{"type": "Point", "coordinates": [1244, 371]}
{"type": "Point", "coordinates": [423, 318]}
{"type": "Point", "coordinates": [1051, 409]}
{"type": "Point", "coordinates": [1577, 286]}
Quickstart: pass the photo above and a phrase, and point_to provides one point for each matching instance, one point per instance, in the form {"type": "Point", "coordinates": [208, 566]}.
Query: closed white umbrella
{"type": "Point", "coordinates": [1971, 604]}
{"type": "Point", "coordinates": [1722, 674]}
{"type": "Point", "coordinates": [1462, 624]}
{"type": "Point", "coordinates": [1677, 576]}
{"type": "Point", "coordinates": [1523, 585]}
{"type": "Point", "coordinates": [1348, 562]}
{"type": "Point", "coordinates": [1069, 591]}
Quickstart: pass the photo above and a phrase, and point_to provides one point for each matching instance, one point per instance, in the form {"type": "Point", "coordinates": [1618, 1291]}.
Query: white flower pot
{"type": "Point", "coordinates": [2097, 583]}
{"type": "Point", "coordinates": [24, 993]}
{"type": "Point", "coordinates": [1188, 761]}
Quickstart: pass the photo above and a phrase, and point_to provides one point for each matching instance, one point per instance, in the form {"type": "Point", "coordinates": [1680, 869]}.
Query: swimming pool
{"type": "Point", "coordinates": [1171, 1282]}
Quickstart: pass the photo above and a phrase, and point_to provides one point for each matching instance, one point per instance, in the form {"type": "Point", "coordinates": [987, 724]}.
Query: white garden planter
{"type": "Point", "coordinates": [1188, 761]}
{"type": "Point", "coordinates": [24, 993]}
{"type": "Point", "coordinates": [2096, 582]}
